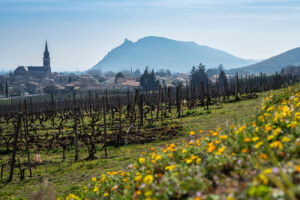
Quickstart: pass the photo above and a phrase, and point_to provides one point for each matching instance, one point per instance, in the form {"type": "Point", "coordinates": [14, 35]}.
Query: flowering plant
{"type": "Point", "coordinates": [258, 159]}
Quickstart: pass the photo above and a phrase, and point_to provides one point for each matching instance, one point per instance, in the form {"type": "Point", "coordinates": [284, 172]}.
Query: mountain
{"type": "Point", "coordinates": [163, 53]}
{"type": "Point", "coordinates": [273, 64]}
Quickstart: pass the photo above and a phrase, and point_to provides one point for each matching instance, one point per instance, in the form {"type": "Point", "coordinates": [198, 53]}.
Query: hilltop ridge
{"type": "Point", "coordinates": [164, 53]}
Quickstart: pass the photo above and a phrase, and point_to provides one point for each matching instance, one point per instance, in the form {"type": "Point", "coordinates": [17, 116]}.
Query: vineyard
{"type": "Point", "coordinates": [97, 122]}
{"type": "Point", "coordinates": [258, 159]}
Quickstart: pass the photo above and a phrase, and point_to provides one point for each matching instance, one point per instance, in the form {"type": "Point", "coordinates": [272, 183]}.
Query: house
{"type": "Point", "coordinates": [130, 85]}
{"type": "Point", "coordinates": [32, 87]}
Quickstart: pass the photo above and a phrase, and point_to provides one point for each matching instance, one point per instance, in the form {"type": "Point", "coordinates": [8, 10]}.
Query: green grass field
{"type": "Point", "coordinates": [70, 177]}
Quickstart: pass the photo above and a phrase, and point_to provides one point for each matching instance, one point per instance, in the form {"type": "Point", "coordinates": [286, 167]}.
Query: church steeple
{"type": "Point", "coordinates": [46, 47]}
{"type": "Point", "coordinates": [46, 52]}
{"type": "Point", "coordinates": [46, 58]}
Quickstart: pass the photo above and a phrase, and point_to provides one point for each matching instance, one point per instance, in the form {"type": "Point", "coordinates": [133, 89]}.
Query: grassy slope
{"type": "Point", "coordinates": [68, 176]}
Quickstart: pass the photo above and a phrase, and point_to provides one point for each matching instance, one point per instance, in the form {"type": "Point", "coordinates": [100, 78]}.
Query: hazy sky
{"type": "Point", "coordinates": [81, 32]}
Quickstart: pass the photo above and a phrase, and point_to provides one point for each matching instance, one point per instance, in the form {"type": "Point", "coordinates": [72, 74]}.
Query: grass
{"type": "Point", "coordinates": [254, 159]}
{"type": "Point", "coordinates": [69, 176]}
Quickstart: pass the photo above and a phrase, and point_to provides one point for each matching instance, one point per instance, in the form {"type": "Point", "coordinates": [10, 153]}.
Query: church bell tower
{"type": "Point", "coordinates": [46, 60]}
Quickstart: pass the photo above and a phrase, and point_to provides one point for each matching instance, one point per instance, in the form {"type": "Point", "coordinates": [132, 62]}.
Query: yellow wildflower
{"type": "Point", "coordinates": [257, 145]}
{"type": "Point", "coordinates": [158, 157]}
{"type": "Point", "coordinates": [277, 131]}
{"type": "Point", "coordinates": [211, 148]}
{"type": "Point", "coordinates": [293, 124]}
{"type": "Point", "coordinates": [223, 137]}
{"type": "Point", "coordinates": [285, 139]}
{"type": "Point", "coordinates": [263, 156]}
{"type": "Point", "coordinates": [270, 137]}
{"type": "Point", "coordinates": [188, 161]}
{"type": "Point", "coordinates": [192, 133]}
{"type": "Point", "coordinates": [170, 167]}
{"type": "Point", "coordinates": [138, 178]}
{"type": "Point", "coordinates": [245, 150]}
{"type": "Point", "coordinates": [297, 168]}
{"type": "Point", "coordinates": [267, 128]}
{"type": "Point", "coordinates": [141, 160]}
{"type": "Point", "coordinates": [297, 115]}
{"type": "Point", "coordinates": [222, 149]}
{"type": "Point", "coordinates": [276, 144]}
{"type": "Point", "coordinates": [96, 188]}
{"type": "Point", "coordinates": [268, 171]}
{"type": "Point", "coordinates": [194, 157]}
{"type": "Point", "coordinates": [184, 151]}
{"type": "Point", "coordinates": [263, 178]}
{"type": "Point", "coordinates": [148, 179]}
{"type": "Point", "coordinates": [254, 139]}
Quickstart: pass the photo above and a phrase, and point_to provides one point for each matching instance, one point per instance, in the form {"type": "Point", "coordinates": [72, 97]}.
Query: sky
{"type": "Point", "coordinates": [81, 32]}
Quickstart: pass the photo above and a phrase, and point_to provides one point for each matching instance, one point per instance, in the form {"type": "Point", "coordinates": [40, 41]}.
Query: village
{"type": "Point", "coordinates": [36, 80]}
{"type": "Point", "coordinates": [12, 85]}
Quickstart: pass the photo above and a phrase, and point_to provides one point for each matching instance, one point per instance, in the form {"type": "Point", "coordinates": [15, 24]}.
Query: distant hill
{"type": "Point", "coordinates": [163, 53]}
{"type": "Point", "coordinates": [273, 64]}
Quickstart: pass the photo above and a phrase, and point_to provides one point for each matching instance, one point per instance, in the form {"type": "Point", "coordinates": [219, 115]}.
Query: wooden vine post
{"type": "Point", "coordinates": [2, 169]}
{"type": "Point", "coordinates": [120, 120]}
{"type": "Point", "coordinates": [207, 95]}
{"type": "Point", "coordinates": [133, 107]}
{"type": "Point", "coordinates": [25, 119]}
{"type": "Point", "coordinates": [202, 93]}
{"type": "Point", "coordinates": [90, 103]}
{"type": "Point", "coordinates": [104, 121]}
{"type": "Point", "coordinates": [75, 129]}
{"type": "Point", "coordinates": [169, 99]}
{"type": "Point", "coordinates": [225, 88]}
{"type": "Point", "coordinates": [52, 107]}
{"type": "Point", "coordinates": [13, 157]}
{"type": "Point", "coordinates": [187, 94]}
{"type": "Point", "coordinates": [158, 100]}
{"type": "Point", "coordinates": [141, 110]}
{"type": "Point", "coordinates": [76, 133]}
{"type": "Point", "coordinates": [237, 85]}
{"type": "Point", "coordinates": [177, 101]}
